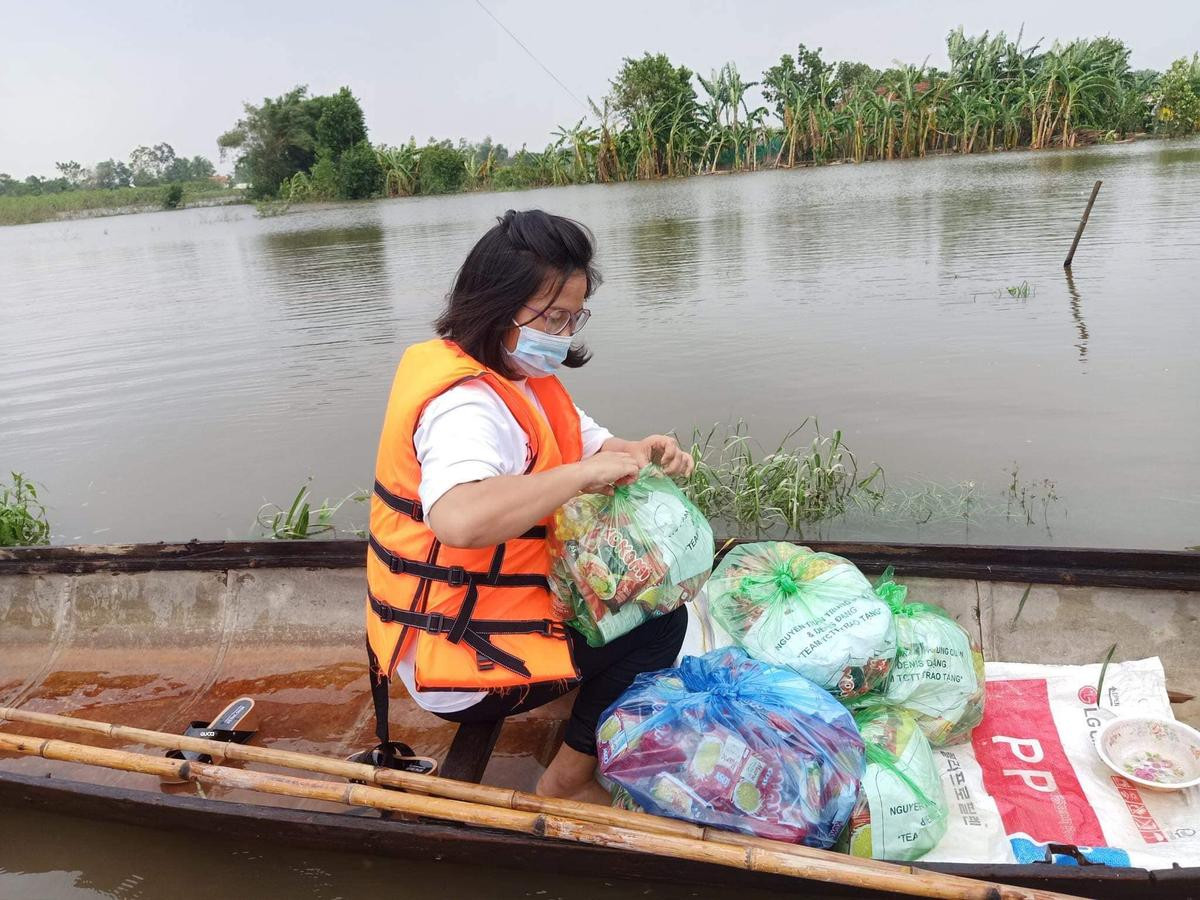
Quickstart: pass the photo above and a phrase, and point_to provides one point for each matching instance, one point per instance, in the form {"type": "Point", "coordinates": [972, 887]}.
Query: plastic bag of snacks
{"type": "Point", "coordinates": [813, 613]}
{"type": "Point", "coordinates": [622, 559]}
{"type": "Point", "coordinates": [938, 673]}
{"type": "Point", "coordinates": [901, 808]}
{"type": "Point", "coordinates": [727, 741]}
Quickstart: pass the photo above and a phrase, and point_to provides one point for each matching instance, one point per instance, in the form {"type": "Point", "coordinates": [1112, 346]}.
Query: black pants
{"type": "Point", "coordinates": [605, 673]}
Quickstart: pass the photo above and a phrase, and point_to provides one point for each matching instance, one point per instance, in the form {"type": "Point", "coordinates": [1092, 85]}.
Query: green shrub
{"type": "Point", "coordinates": [22, 516]}
{"type": "Point", "coordinates": [1178, 100]}
{"type": "Point", "coordinates": [173, 196]}
{"type": "Point", "coordinates": [359, 174]}
{"type": "Point", "coordinates": [440, 170]}
{"type": "Point", "coordinates": [298, 190]}
{"type": "Point", "coordinates": [323, 180]}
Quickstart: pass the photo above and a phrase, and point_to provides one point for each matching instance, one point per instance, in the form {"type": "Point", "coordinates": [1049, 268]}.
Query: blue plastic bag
{"type": "Point", "coordinates": [727, 741]}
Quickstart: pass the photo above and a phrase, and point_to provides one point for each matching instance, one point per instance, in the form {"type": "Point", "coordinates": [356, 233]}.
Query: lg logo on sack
{"type": "Point", "coordinates": [1028, 751]}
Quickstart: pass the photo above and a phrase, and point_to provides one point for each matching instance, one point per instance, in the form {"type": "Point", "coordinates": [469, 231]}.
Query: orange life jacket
{"type": "Point", "coordinates": [481, 618]}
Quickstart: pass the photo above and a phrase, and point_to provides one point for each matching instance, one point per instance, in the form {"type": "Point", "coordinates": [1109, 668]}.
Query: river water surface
{"type": "Point", "coordinates": [162, 375]}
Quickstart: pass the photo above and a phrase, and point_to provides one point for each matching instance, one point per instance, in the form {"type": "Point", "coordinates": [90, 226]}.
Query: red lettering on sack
{"type": "Point", "coordinates": [1026, 769]}
{"type": "Point", "coordinates": [1142, 820]}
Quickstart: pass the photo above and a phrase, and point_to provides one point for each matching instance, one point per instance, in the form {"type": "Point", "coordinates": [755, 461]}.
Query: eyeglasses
{"type": "Point", "coordinates": [557, 319]}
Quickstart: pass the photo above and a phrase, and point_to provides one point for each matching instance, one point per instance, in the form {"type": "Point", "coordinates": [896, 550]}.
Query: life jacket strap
{"type": "Point", "coordinates": [403, 505]}
{"type": "Point", "coordinates": [413, 509]}
{"type": "Point", "coordinates": [379, 699]}
{"type": "Point", "coordinates": [475, 633]}
{"type": "Point", "coordinates": [455, 576]}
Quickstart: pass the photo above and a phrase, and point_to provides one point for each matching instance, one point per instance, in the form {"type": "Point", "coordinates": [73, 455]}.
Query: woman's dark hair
{"type": "Point", "coordinates": [511, 264]}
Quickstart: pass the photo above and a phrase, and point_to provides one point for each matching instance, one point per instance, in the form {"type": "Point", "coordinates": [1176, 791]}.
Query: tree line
{"type": "Point", "coordinates": [660, 119]}
{"type": "Point", "coordinates": [147, 166]}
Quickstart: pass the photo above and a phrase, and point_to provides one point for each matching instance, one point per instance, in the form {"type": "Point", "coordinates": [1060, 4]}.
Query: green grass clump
{"type": "Point", "coordinates": [736, 481]}
{"type": "Point", "coordinates": [22, 516]}
{"type": "Point", "coordinates": [300, 521]}
{"type": "Point", "coordinates": [1020, 291]}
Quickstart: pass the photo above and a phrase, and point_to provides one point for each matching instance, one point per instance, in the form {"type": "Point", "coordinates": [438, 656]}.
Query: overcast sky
{"type": "Point", "coordinates": [88, 81]}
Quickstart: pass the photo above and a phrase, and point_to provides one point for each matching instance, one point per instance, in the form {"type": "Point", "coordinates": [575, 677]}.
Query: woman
{"type": "Point", "coordinates": [480, 445]}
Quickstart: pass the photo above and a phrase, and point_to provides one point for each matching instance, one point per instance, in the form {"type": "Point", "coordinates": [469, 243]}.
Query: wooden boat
{"type": "Point", "coordinates": [155, 636]}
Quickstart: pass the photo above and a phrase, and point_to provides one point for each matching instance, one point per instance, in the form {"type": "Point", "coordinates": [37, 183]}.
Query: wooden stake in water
{"type": "Point", "coordinates": [1082, 222]}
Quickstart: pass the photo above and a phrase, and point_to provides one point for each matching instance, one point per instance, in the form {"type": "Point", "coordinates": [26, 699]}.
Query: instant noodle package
{"type": "Point", "coordinates": [900, 813]}
{"type": "Point", "coordinates": [727, 741]}
{"type": "Point", "coordinates": [619, 560]}
{"type": "Point", "coordinates": [813, 613]}
{"type": "Point", "coordinates": [938, 674]}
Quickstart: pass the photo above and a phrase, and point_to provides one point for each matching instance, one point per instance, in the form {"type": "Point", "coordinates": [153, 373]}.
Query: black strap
{"type": "Point", "coordinates": [455, 576]}
{"type": "Point", "coordinates": [437, 623]}
{"type": "Point", "coordinates": [414, 510]}
{"type": "Point", "coordinates": [474, 633]}
{"type": "Point", "coordinates": [403, 505]}
{"type": "Point", "coordinates": [379, 698]}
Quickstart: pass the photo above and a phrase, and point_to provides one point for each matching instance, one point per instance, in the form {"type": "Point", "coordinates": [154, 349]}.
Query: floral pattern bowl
{"type": "Point", "coordinates": [1157, 754]}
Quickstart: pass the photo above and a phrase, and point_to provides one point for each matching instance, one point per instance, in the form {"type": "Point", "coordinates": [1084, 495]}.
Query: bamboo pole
{"type": "Point", "coordinates": [827, 867]}
{"type": "Point", "coordinates": [1082, 222]}
{"type": "Point", "coordinates": [503, 798]}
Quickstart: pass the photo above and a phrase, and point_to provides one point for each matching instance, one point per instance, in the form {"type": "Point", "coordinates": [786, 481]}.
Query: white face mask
{"type": "Point", "coordinates": [538, 353]}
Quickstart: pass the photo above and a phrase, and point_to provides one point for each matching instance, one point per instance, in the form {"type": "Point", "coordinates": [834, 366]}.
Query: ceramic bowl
{"type": "Point", "coordinates": [1157, 754]}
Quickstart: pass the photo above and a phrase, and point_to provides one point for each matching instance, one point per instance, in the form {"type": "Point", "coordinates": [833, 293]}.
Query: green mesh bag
{"type": "Point", "coordinates": [619, 560]}
{"type": "Point", "coordinates": [938, 675]}
{"type": "Point", "coordinates": [900, 812]}
{"type": "Point", "coordinates": [813, 613]}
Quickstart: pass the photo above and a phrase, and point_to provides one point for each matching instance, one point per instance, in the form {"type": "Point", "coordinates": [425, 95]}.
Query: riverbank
{"type": "Point", "coordinates": [74, 205]}
{"type": "Point", "coordinates": [68, 205]}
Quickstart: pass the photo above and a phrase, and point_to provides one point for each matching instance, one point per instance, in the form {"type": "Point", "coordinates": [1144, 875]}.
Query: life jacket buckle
{"type": "Point", "coordinates": [396, 565]}
{"type": "Point", "coordinates": [555, 629]}
{"type": "Point", "coordinates": [457, 576]}
{"type": "Point", "coordinates": [436, 623]}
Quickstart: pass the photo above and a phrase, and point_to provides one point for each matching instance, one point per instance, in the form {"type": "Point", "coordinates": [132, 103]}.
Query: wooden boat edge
{"type": "Point", "coordinates": [1159, 569]}
{"type": "Point", "coordinates": [468, 845]}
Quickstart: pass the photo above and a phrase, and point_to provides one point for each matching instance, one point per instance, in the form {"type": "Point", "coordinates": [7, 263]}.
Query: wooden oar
{"type": "Point", "coordinates": [822, 866]}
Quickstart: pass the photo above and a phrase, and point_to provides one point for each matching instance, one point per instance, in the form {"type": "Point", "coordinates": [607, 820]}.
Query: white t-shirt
{"type": "Point", "coordinates": [467, 434]}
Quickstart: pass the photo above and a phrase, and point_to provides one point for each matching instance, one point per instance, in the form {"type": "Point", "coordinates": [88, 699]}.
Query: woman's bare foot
{"type": "Point", "coordinates": [571, 775]}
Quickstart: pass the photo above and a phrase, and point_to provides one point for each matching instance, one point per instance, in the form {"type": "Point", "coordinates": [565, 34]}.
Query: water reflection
{"type": "Point", "coordinates": [331, 289]}
{"type": "Point", "coordinates": [1076, 303]}
{"type": "Point", "coordinates": [665, 254]}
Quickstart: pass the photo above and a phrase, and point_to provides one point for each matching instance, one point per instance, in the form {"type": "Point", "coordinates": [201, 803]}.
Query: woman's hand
{"type": "Point", "coordinates": [603, 471]}
{"type": "Point", "coordinates": [657, 448]}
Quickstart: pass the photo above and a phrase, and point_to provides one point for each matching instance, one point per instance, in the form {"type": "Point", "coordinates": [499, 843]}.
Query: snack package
{"type": "Point", "coordinates": [622, 559]}
{"type": "Point", "coordinates": [727, 741]}
{"type": "Point", "coordinates": [938, 673]}
{"type": "Point", "coordinates": [900, 813]}
{"type": "Point", "coordinates": [813, 613]}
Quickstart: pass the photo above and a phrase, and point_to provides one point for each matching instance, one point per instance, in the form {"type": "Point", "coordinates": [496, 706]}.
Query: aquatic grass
{"type": "Point", "coordinates": [931, 503]}
{"type": "Point", "coordinates": [736, 481]}
{"type": "Point", "coordinates": [300, 521]}
{"type": "Point", "coordinates": [1019, 291]}
{"type": "Point", "coordinates": [269, 209]}
{"type": "Point", "coordinates": [1103, 672]}
{"type": "Point", "coordinates": [1020, 605]}
{"type": "Point", "coordinates": [23, 520]}
{"type": "Point", "coordinates": [1028, 499]}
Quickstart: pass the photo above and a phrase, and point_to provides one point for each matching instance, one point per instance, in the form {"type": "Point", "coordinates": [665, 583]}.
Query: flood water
{"type": "Point", "coordinates": [162, 375]}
